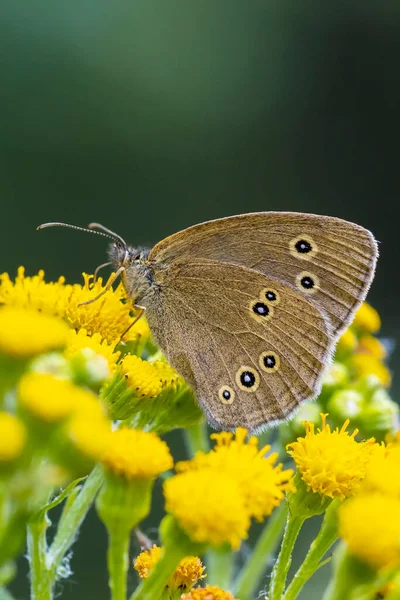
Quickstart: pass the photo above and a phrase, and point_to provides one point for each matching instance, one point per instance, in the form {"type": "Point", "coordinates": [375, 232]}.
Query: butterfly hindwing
{"type": "Point", "coordinates": [220, 325]}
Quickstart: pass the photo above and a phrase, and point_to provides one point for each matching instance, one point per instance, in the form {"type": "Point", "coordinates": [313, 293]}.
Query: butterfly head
{"type": "Point", "coordinates": [135, 271]}
{"type": "Point", "coordinates": [128, 262]}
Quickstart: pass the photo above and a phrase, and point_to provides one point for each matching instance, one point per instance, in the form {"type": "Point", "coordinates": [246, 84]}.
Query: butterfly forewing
{"type": "Point", "coordinates": [329, 261]}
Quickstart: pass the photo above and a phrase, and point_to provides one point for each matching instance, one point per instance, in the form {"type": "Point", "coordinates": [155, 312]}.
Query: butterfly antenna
{"type": "Point", "coordinates": [111, 237]}
{"type": "Point", "coordinates": [108, 232]}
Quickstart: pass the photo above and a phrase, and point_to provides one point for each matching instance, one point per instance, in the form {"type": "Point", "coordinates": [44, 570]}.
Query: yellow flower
{"type": "Point", "coordinates": [89, 429]}
{"type": "Point", "coordinates": [12, 437]}
{"type": "Point", "coordinates": [146, 561]}
{"type": "Point", "coordinates": [262, 484]}
{"type": "Point", "coordinates": [80, 340]}
{"type": "Point", "coordinates": [370, 524]}
{"type": "Point", "coordinates": [109, 316]}
{"type": "Point", "coordinates": [24, 333]}
{"type": "Point", "coordinates": [136, 454]}
{"type": "Point", "coordinates": [331, 463]}
{"type": "Point", "coordinates": [347, 342]}
{"type": "Point", "coordinates": [209, 506]}
{"type": "Point", "coordinates": [371, 345]}
{"type": "Point", "coordinates": [367, 364]}
{"type": "Point", "coordinates": [168, 376]}
{"type": "Point", "coordinates": [188, 572]}
{"type": "Point", "coordinates": [142, 377]}
{"type": "Point", "coordinates": [367, 319]}
{"type": "Point", "coordinates": [34, 293]}
{"type": "Point", "coordinates": [383, 471]}
{"type": "Point", "coordinates": [210, 592]}
{"type": "Point", "coordinates": [51, 399]}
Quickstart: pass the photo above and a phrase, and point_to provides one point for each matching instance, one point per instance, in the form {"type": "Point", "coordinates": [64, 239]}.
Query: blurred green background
{"type": "Point", "coordinates": [152, 115]}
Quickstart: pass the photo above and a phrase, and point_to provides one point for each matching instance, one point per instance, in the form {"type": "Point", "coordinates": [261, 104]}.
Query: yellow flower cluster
{"type": "Point", "coordinates": [12, 437]}
{"type": "Point", "coordinates": [331, 463]}
{"type": "Point", "coordinates": [136, 454]}
{"type": "Point", "coordinates": [370, 522]}
{"type": "Point", "coordinates": [354, 386]}
{"type": "Point", "coordinates": [365, 353]}
{"type": "Point", "coordinates": [215, 495]}
{"type": "Point", "coordinates": [188, 572]}
{"type": "Point", "coordinates": [210, 592]}
{"type": "Point", "coordinates": [262, 483]}
{"type": "Point", "coordinates": [52, 400]}
{"type": "Point", "coordinates": [109, 317]}
{"type": "Point", "coordinates": [25, 333]}
{"type": "Point", "coordinates": [80, 341]}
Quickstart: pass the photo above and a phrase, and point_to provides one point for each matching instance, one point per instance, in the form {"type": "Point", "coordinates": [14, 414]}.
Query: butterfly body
{"type": "Point", "coordinates": [249, 308]}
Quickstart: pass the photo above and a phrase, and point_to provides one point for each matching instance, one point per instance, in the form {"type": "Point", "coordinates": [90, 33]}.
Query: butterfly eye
{"type": "Point", "coordinates": [247, 379]}
{"type": "Point", "coordinates": [269, 361]}
{"type": "Point", "coordinates": [307, 282]}
{"type": "Point", "coordinates": [226, 394]}
{"type": "Point", "coordinates": [303, 247]}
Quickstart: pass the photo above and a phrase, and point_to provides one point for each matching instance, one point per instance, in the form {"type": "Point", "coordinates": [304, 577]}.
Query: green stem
{"type": "Point", "coordinates": [220, 567]}
{"type": "Point", "coordinates": [69, 525]}
{"type": "Point", "coordinates": [252, 572]}
{"type": "Point", "coordinates": [281, 568]}
{"type": "Point", "coordinates": [153, 587]}
{"type": "Point", "coordinates": [351, 579]}
{"type": "Point", "coordinates": [196, 438]}
{"type": "Point", "coordinates": [327, 535]}
{"type": "Point", "coordinates": [41, 581]}
{"type": "Point", "coordinates": [118, 562]}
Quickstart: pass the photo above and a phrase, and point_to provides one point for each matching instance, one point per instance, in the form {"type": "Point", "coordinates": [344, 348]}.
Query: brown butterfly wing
{"type": "Point", "coordinates": [333, 268]}
{"type": "Point", "coordinates": [205, 320]}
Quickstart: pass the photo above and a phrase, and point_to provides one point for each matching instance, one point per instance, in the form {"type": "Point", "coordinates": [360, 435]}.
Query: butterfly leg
{"type": "Point", "coordinates": [140, 313]}
{"type": "Point", "coordinates": [120, 271]}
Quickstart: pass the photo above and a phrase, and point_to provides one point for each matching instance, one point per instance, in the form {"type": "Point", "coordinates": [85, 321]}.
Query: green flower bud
{"type": "Point", "coordinates": [345, 404]}
{"type": "Point", "coordinates": [89, 368]}
{"type": "Point", "coordinates": [288, 432]}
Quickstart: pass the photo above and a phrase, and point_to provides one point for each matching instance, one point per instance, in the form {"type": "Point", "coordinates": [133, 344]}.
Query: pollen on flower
{"type": "Point", "coordinates": [51, 399]}
{"type": "Point", "coordinates": [188, 572]}
{"type": "Point", "coordinates": [146, 561]}
{"type": "Point", "coordinates": [136, 454]}
{"type": "Point", "coordinates": [80, 340]}
{"type": "Point", "coordinates": [109, 316]}
{"type": "Point", "coordinates": [210, 592]}
{"type": "Point", "coordinates": [332, 463]}
{"type": "Point", "coordinates": [12, 437]}
{"type": "Point", "coordinates": [209, 506]}
{"type": "Point", "coordinates": [24, 332]}
{"type": "Point", "coordinates": [168, 376]}
{"type": "Point", "coordinates": [367, 319]}
{"type": "Point", "coordinates": [141, 376]}
{"type": "Point", "coordinates": [370, 525]}
{"type": "Point", "coordinates": [262, 483]}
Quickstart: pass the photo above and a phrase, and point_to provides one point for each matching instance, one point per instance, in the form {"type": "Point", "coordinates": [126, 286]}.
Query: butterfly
{"type": "Point", "coordinates": [248, 308]}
